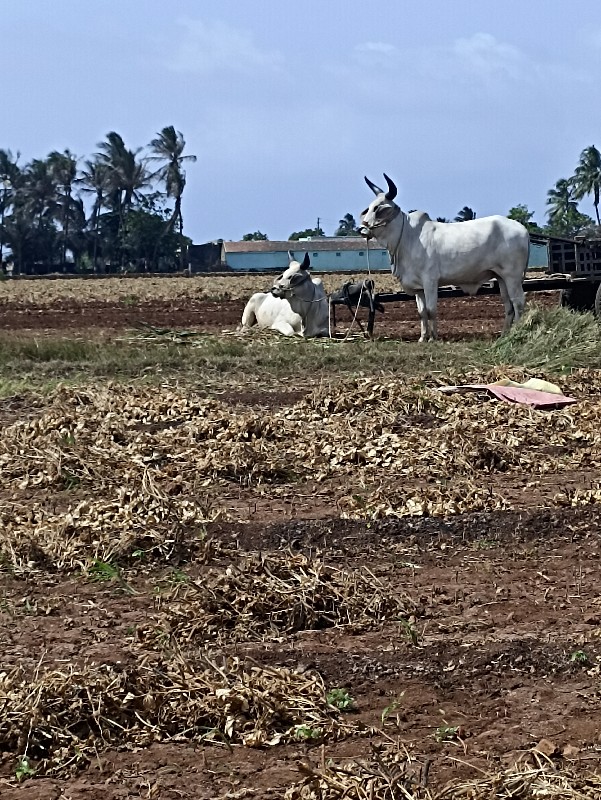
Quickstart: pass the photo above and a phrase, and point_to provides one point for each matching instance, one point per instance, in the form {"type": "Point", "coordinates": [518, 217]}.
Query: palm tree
{"type": "Point", "coordinates": [564, 217]}
{"type": "Point", "coordinates": [127, 176]}
{"type": "Point", "coordinates": [347, 226]}
{"type": "Point", "coordinates": [9, 175]}
{"type": "Point", "coordinates": [96, 179]}
{"type": "Point", "coordinates": [587, 178]}
{"type": "Point", "coordinates": [40, 190]}
{"type": "Point", "coordinates": [63, 168]}
{"type": "Point", "coordinates": [30, 229]}
{"type": "Point", "coordinates": [40, 195]}
{"type": "Point", "coordinates": [465, 214]}
{"type": "Point", "coordinates": [169, 147]}
{"type": "Point", "coordinates": [561, 203]}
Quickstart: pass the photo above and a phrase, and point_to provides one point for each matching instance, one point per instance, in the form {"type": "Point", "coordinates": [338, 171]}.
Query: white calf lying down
{"type": "Point", "coordinates": [296, 306]}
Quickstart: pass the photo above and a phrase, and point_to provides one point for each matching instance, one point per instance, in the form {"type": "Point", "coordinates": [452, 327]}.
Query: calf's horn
{"type": "Point", "coordinates": [392, 190]}
{"type": "Point", "coordinates": [375, 189]}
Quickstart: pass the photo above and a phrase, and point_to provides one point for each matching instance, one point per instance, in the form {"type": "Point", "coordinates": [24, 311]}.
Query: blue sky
{"type": "Point", "coordinates": [288, 104]}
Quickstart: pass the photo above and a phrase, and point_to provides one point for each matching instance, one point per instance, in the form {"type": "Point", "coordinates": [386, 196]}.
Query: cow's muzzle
{"type": "Point", "coordinates": [366, 233]}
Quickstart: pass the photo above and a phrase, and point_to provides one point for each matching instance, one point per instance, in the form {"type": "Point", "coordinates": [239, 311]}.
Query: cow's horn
{"type": "Point", "coordinates": [375, 189]}
{"type": "Point", "coordinates": [392, 190]}
{"type": "Point", "coordinates": [306, 262]}
{"type": "Point", "coordinates": [290, 255]}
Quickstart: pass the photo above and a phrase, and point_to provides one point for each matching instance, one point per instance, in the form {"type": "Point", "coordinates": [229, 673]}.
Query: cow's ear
{"type": "Point", "coordinates": [306, 262]}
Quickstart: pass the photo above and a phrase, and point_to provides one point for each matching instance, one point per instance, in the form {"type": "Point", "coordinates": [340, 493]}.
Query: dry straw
{"type": "Point", "coordinates": [262, 596]}
{"type": "Point", "coordinates": [390, 774]}
{"type": "Point", "coordinates": [101, 473]}
{"type": "Point", "coordinates": [61, 719]}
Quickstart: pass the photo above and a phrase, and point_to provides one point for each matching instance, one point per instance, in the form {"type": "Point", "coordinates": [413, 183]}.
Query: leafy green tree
{"type": "Point", "coordinates": [309, 233]}
{"type": "Point", "coordinates": [465, 214]}
{"type": "Point", "coordinates": [442, 219]}
{"type": "Point", "coordinates": [347, 226]}
{"type": "Point", "coordinates": [587, 178]}
{"type": "Point", "coordinates": [140, 233]}
{"type": "Point", "coordinates": [521, 213]}
{"type": "Point", "coordinates": [257, 236]}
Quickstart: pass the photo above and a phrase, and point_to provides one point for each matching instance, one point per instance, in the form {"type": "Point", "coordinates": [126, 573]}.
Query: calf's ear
{"type": "Point", "coordinates": [306, 262]}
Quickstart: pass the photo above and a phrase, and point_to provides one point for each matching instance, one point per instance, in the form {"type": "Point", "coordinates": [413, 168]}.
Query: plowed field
{"type": "Point", "coordinates": [234, 595]}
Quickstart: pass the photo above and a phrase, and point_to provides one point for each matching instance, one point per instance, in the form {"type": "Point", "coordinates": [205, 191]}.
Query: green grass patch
{"type": "Point", "coordinates": [554, 340]}
{"type": "Point", "coordinates": [216, 361]}
{"type": "Point", "coordinates": [549, 340]}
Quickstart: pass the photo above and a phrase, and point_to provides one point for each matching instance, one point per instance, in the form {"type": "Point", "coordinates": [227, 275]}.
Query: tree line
{"type": "Point", "coordinates": [564, 218]}
{"type": "Point", "coordinates": [132, 218]}
{"type": "Point", "coordinates": [122, 208]}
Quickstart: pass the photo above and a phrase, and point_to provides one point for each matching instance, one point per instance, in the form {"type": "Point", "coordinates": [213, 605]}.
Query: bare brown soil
{"type": "Point", "coordinates": [505, 646]}
{"type": "Point", "coordinates": [507, 601]}
{"type": "Point", "coordinates": [459, 318]}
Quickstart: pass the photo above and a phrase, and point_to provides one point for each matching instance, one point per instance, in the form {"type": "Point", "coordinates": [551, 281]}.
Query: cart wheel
{"type": "Point", "coordinates": [579, 297]}
{"type": "Point", "coordinates": [598, 302]}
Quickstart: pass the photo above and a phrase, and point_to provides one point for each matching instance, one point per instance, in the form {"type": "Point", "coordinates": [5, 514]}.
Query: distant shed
{"type": "Point", "coordinates": [327, 254]}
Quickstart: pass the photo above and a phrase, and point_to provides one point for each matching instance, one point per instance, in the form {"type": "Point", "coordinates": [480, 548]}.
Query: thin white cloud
{"type": "Point", "coordinates": [376, 47]}
{"type": "Point", "coordinates": [485, 55]}
{"type": "Point", "coordinates": [380, 54]}
{"type": "Point", "coordinates": [452, 74]}
{"type": "Point", "coordinates": [210, 47]}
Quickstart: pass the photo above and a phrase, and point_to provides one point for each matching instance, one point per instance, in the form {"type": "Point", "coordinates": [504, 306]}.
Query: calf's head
{"type": "Point", "coordinates": [380, 211]}
{"type": "Point", "coordinates": [292, 278]}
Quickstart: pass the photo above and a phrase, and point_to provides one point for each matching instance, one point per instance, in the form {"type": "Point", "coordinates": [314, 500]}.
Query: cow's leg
{"type": "Point", "coordinates": [431, 304]}
{"type": "Point", "coordinates": [509, 313]}
{"type": "Point", "coordinates": [249, 318]}
{"type": "Point", "coordinates": [285, 328]}
{"type": "Point", "coordinates": [515, 290]}
{"type": "Point", "coordinates": [423, 316]}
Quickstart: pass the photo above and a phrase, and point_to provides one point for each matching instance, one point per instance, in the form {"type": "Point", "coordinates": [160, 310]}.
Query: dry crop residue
{"type": "Point", "coordinates": [197, 597]}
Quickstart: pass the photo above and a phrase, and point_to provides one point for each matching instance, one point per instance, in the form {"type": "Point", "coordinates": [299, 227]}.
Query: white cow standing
{"type": "Point", "coordinates": [296, 306]}
{"type": "Point", "coordinates": [427, 254]}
